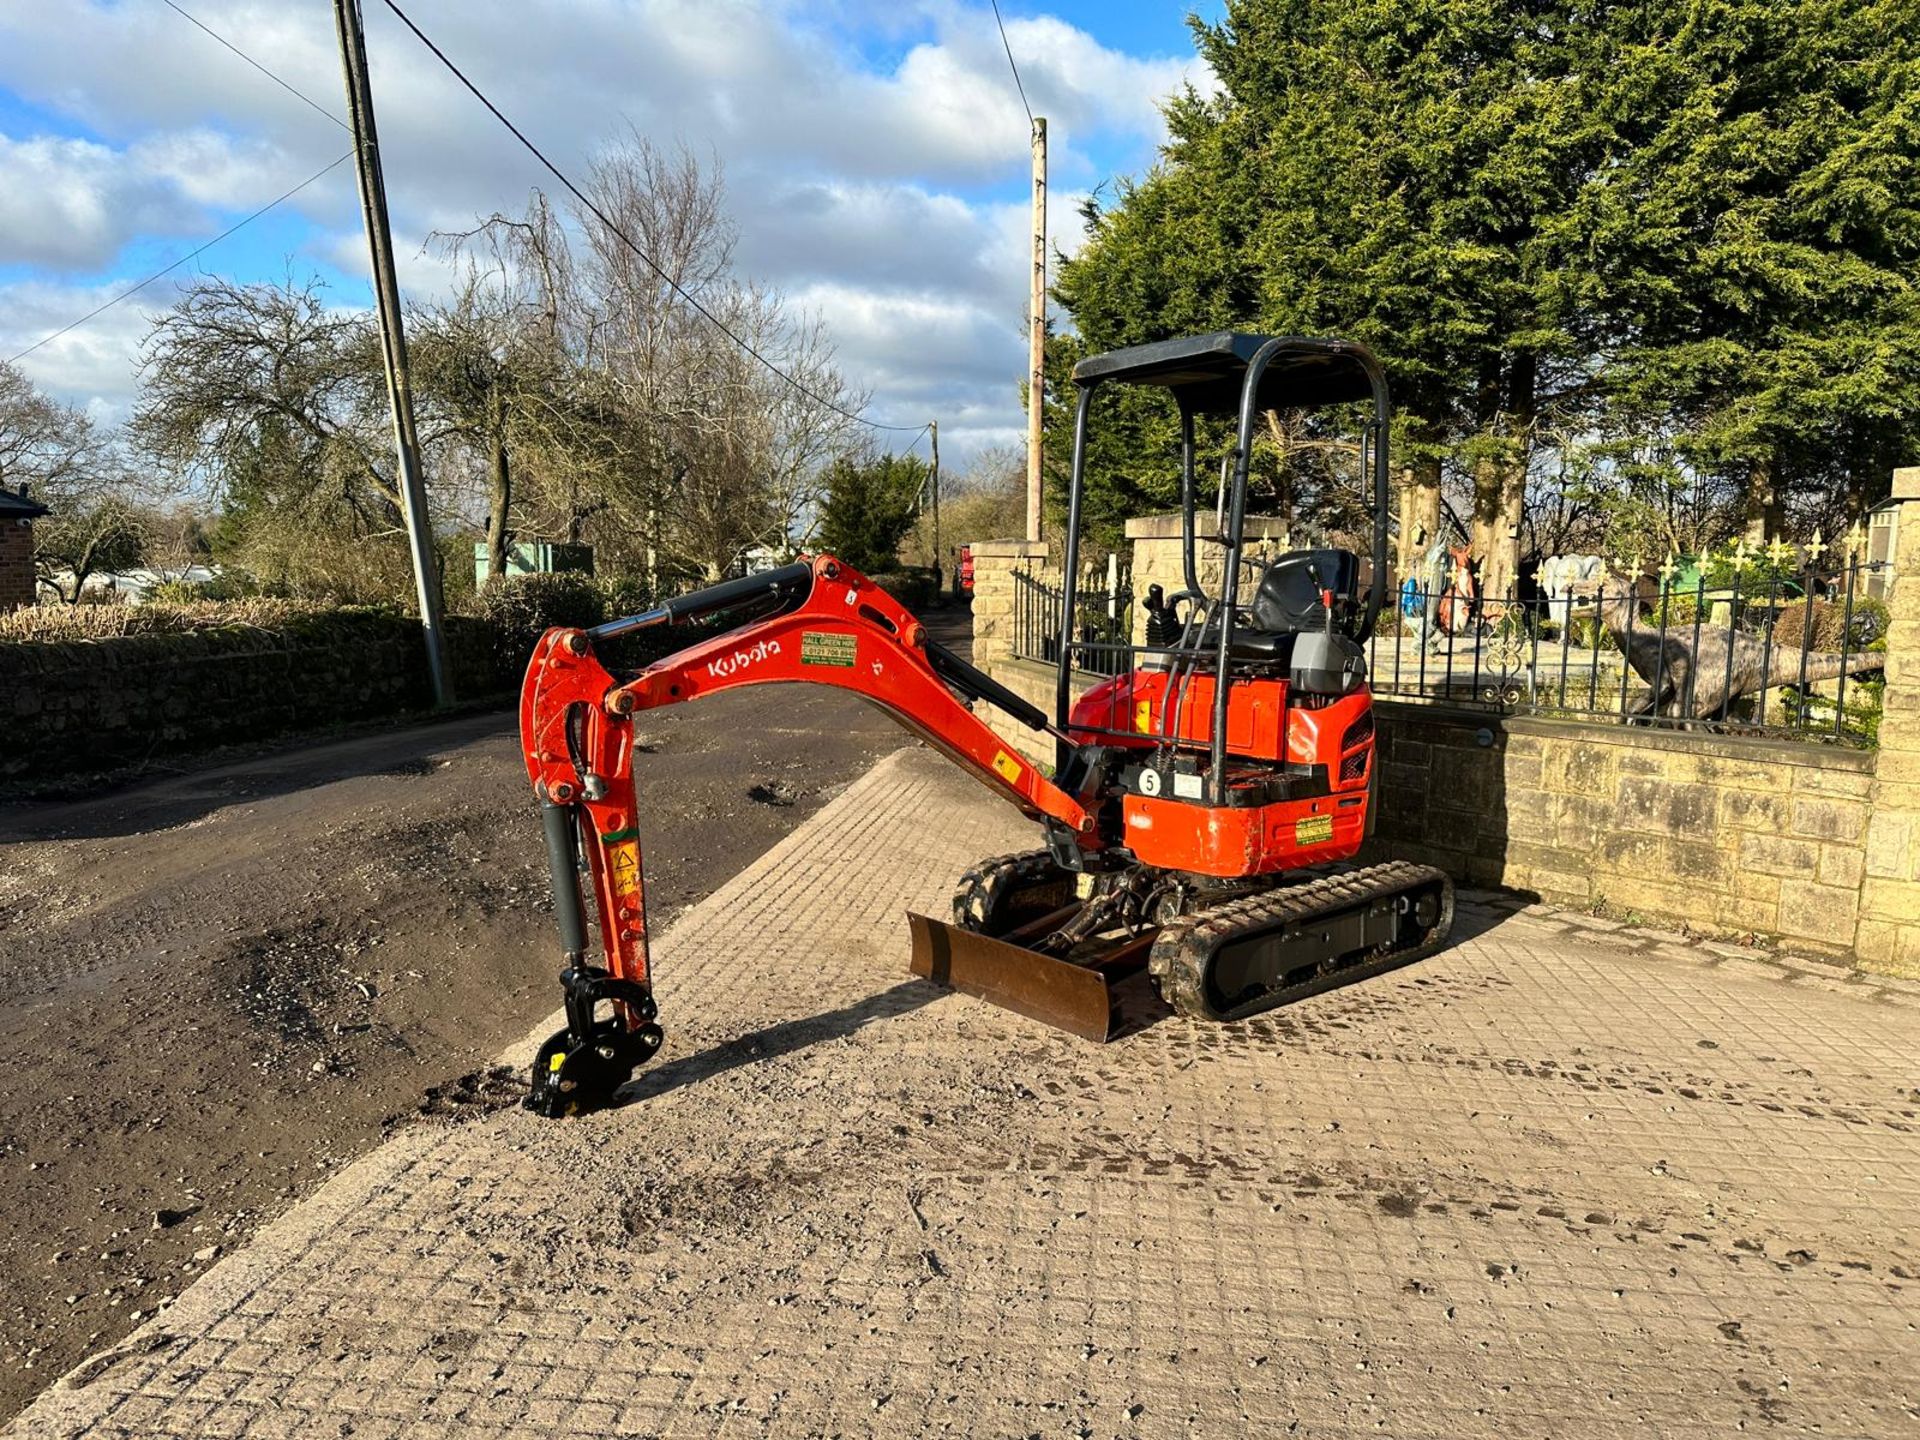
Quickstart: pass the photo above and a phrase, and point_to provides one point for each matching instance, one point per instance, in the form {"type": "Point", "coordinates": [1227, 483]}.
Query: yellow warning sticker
{"type": "Point", "coordinates": [1313, 830]}
{"type": "Point", "coordinates": [1143, 717]}
{"type": "Point", "coordinates": [1008, 767]}
{"type": "Point", "coordinates": [623, 867]}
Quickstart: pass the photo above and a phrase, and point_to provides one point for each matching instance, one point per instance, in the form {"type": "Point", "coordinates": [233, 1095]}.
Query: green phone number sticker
{"type": "Point", "coordinates": [819, 647]}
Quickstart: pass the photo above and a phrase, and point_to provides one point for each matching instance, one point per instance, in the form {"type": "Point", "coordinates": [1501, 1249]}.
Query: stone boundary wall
{"type": "Point", "coordinates": [1159, 557]}
{"type": "Point", "coordinates": [994, 564]}
{"type": "Point", "coordinates": [1034, 681]}
{"type": "Point", "coordinates": [95, 704]}
{"type": "Point", "coordinates": [1729, 836]}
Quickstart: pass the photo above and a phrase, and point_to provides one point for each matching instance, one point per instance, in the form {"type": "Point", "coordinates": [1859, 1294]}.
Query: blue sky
{"type": "Point", "coordinates": [875, 156]}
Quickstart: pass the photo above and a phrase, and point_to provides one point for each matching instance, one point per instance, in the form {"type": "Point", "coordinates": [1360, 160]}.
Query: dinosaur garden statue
{"type": "Point", "coordinates": [1698, 675]}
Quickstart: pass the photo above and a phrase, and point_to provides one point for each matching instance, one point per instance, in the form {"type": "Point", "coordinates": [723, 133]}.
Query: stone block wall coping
{"type": "Point", "coordinates": [1041, 670]}
{"type": "Point", "coordinates": [1645, 737]}
{"type": "Point", "coordinates": [1596, 732]}
{"type": "Point", "coordinates": [1720, 747]}
{"type": "Point", "coordinates": [1009, 549]}
{"type": "Point", "coordinates": [1906, 483]}
{"type": "Point", "coordinates": [1167, 527]}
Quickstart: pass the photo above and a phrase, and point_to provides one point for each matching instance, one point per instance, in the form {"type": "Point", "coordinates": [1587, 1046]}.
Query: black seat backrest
{"type": "Point", "coordinates": [1288, 598]}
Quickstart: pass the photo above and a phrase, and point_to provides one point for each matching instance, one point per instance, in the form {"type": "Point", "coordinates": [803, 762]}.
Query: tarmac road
{"type": "Point", "coordinates": [217, 988]}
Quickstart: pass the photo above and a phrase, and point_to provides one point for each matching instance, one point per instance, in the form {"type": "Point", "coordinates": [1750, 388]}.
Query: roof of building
{"type": "Point", "coordinates": [18, 505]}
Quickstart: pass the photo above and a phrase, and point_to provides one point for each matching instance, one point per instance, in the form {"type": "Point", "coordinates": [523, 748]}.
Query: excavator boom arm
{"type": "Point", "coordinates": [834, 627]}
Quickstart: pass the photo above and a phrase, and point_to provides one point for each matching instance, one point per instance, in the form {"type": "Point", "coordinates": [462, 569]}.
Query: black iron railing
{"type": "Point", "coordinates": [1791, 654]}
{"type": "Point", "coordinates": [1103, 618]}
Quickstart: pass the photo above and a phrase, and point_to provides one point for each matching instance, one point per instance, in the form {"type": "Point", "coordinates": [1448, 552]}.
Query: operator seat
{"type": "Point", "coordinates": [1289, 619]}
{"type": "Point", "coordinates": [1287, 601]}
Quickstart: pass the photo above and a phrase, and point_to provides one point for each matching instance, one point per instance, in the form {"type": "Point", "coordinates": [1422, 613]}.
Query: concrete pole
{"type": "Point", "coordinates": [1037, 327]}
{"type": "Point", "coordinates": [393, 339]}
{"type": "Point", "coordinates": [933, 432]}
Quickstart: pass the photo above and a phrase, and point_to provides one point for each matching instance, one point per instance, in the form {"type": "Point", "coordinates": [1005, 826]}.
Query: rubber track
{"type": "Point", "coordinates": [983, 887]}
{"type": "Point", "coordinates": [1180, 956]}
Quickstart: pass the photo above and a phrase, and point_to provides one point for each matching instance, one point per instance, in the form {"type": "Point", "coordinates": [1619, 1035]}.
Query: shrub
{"type": "Point", "coordinates": [227, 585]}
{"type": "Point", "coordinates": [1830, 626]}
{"type": "Point", "coordinates": [1857, 723]}
{"type": "Point", "coordinates": [870, 506]}
{"type": "Point", "coordinates": [1588, 634]}
{"type": "Point", "coordinates": [175, 592]}
{"type": "Point", "coordinates": [913, 586]}
{"type": "Point", "coordinates": [55, 623]}
{"type": "Point", "coordinates": [526, 605]}
{"type": "Point", "coordinates": [1675, 611]}
{"type": "Point", "coordinates": [623, 595]}
{"type": "Point", "coordinates": [1762, 574]}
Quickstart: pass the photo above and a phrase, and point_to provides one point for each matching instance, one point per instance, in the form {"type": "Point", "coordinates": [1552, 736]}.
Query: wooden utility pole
{"type": "Point", "coordinates": [393, 339]}
{"type": "Point", "coordinates": [933, 431]}
{"type": "Point", "coordinates": [1037, 327]}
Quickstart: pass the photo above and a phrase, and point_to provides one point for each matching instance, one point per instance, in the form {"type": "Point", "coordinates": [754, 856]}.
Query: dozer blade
{"type": "Point", "coordinates": [1075, 998]}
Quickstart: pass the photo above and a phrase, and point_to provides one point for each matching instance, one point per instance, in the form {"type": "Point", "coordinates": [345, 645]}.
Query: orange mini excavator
{"type": "Point", "coordinates": [1202, 806]}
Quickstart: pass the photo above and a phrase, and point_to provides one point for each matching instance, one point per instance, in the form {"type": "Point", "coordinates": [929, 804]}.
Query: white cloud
{"type": "Point", "coordinates": [885, 199]}
{"type": "Point", "coordinates": [93, 365]}
{"type": "Point", "coordinates": [211, 169]}
{"type": "Point", "coordinates": [73, 203]}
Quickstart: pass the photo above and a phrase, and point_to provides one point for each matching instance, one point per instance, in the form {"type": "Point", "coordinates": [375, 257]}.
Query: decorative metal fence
{"type": "Point", "coordinates": [1103, 622]}
{"type": "Point", "coordinates": [1793, 654]}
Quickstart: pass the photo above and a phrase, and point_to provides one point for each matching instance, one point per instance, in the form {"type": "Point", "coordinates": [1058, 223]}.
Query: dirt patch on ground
{"type": "Point", "coordinates": [218, 987]}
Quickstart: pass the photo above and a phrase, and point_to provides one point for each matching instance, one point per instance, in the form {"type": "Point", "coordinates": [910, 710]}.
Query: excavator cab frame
{"type": "Point", "coordinates": [1243, 376]}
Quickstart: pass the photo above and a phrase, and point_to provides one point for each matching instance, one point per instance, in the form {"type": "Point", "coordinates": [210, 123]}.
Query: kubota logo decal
{"type": "Point", "coordinates": [730, 664]}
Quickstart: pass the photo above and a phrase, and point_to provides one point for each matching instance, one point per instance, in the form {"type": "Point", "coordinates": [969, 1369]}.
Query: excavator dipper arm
{"type": "Point", "coordinates": [830, 625]}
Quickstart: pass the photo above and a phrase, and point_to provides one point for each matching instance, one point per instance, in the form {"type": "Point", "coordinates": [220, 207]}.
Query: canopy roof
{"type": "Point", "coordinates": [1205, 372]}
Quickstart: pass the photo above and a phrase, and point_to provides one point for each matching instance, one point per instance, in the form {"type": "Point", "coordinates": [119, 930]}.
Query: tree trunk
{"type": "Point", "coordinates": [1765, 514]}
{"type": "Point", "coordinates": [500, 496]}
{"type": "Point", "coordinates": [1506, 504]}
{"type": "Point", "coordinates": [1419, 513]}
{"type": "Point", "coordinates": [1503, 570]}
{"type": "Point", "coordinates": [1488, 474]}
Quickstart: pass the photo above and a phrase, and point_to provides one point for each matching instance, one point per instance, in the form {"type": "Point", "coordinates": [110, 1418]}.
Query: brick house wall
{"type": "Point", "coordinates": [16, 563]}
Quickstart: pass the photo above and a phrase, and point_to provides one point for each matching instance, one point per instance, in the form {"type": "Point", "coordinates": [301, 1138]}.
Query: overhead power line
{"type": "Point", "coordinates": [132, 290]}
{"type": "Point", "coordinates": [301, 96]}
{"type": "Point", "coordinates": [135, 289]}
{"type": "Point", "coordinates": [632, 244]}
{"type": "Point", "coordinates": [1003, 45]}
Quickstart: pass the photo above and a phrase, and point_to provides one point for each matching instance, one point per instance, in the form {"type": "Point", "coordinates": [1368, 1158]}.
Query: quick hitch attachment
{"type": "Point", "coordinates": [580, 1067]}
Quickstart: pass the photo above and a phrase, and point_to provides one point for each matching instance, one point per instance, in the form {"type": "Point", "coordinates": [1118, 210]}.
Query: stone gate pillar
{"type": "Point", "coordinates": [1889, 925]}
{"type": "Point", "coordinates": [994, 563]}
{"type": "Point", "coordinates": [1158, 557]}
